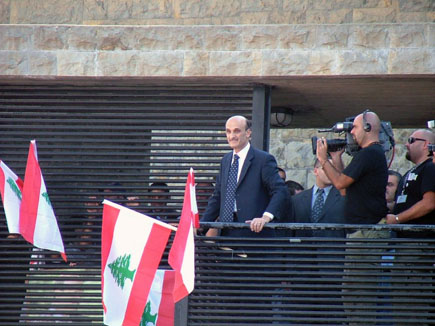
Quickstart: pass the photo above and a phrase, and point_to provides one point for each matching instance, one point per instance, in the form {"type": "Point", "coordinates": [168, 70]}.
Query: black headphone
{"type": "Point", "coordinates": [366, 126]}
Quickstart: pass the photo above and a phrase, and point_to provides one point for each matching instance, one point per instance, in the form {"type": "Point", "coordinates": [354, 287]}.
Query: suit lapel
{"type": "Point", "coordinates": [246, 165]}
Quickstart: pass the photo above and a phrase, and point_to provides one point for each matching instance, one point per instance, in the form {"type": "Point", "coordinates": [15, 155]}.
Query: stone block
{"type": "Point", "coordinates": [411, 61]}
{"type": "Point", "coordinates": [420, 5]}
{"type": "Point", "coordinates": [114, 38]}
{"type": "Point", "coordinates": [210, 8]}
{"type": "Point", "coordinates": [46, 12]}
{"type": "Point", "coordinates": [153, 38]}
{"type": "Point", "coordinates": [42, 63]}
{"type": "Point", "coordinates": [323, 63]}
{"type": "Point", "coordinates": [235, 63]}
{"type": "Point", "coordinates": [363, 62]}
{"type": "Point", "coordinates": [257, 37]}
{"type": "Point", "coordinates": [188, 38]}
{"type": "Point", "coordinates": [370, 36]}
{"type": "Point", "coordinates": [48, 38]}
{"type": "Point", "coordinates": [296, 5]}
{"type": "Point", "coordinates": [415, 17]}
{"type": "Point", "coordinates": [160, 63]}
{"type": "Point", "coordinates": [15, 38]}
{"type": "Point", "coordinates": [94, 10]}
{"type": "Point", "coordinates": [13, 63]}
{"type": "Point", "coordinates": [296, 37]}
{"type": "Point", "coordinates": [259, 5]}
{"type": "Point", "coordinates": [82, 38]}
{"type": "Point", "coordinates": [333, 37]}
{"type": "Point", "coordinates": [282, 63]}
{"type": "Point", "coordinates": [291, 17]}
{"type": "Point", "coordinates": [409, 36]}
{"type": "Point", "coordinates": [349, 4]}
{"type": "Point", "coordinates": [76, 63]}
{"type": "Point", "coordinates": [117, 63]}
{"type": "Point", "coordinates": [196, 63]}
{"type": "Point", "coordinates": [340, 16]}
{"type": "Point", "coordinates": [222, 39]}
{"type": "Point", "coordinates": [152, 9]}
{"type": "Point", "coordinates": [5, 11]}
{"type": "Point", "coordinates": [376, 15]}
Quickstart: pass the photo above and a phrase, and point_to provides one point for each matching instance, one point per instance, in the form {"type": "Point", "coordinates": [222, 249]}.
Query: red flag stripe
{"type": "Point", "coordinates": [145, 274]}
{"type": "Point", "coordinates": [29, 204]}
{"type": "Point", "coordinates": [166, 312]}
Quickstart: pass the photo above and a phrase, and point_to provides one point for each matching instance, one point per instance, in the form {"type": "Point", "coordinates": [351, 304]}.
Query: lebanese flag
{"type": "Point", "coordinates": [160, 306]}
{"type": "Point", "coordinates": [182, 253]}
{"type": "Point", "coordinates": [38, 224]}
{"type": "Point", "coordinates": [11, 188]}
{"type": "Point", "coordinates": [132, 245]}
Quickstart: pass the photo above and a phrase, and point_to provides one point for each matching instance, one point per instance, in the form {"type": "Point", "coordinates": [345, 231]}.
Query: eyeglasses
{"type": "Point", "coordinates": [411, 140]}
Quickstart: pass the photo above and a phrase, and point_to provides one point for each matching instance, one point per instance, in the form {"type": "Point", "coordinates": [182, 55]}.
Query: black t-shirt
{"type": "Point", "coordinates": [365, 198]}
{"type": "Point", "coordinates": [416, 182]}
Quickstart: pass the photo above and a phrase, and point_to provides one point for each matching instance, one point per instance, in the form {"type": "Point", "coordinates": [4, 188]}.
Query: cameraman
{"type": "Point", "coordinates": [364, 180]}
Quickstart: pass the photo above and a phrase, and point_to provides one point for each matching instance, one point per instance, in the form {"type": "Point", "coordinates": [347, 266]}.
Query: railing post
{"type": "Point", "coordinates": [181, 308]}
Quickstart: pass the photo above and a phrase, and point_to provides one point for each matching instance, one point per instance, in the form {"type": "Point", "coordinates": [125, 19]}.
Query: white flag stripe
{"type": "Point", "coordinates": [115, 205]}
{"type": "Point", "coordinates": [188, 266]}
{"type": "Point", "coordinates": [11, 202]}
{"type": "Point", "coordinates": [155, 296]}
{"type": "Point", "coordinates": [47, 233]}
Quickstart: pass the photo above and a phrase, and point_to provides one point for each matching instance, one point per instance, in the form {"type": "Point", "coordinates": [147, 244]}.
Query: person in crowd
{"type": "Point", "coordinates": [363, 183]}
{"type": "Point", "coordinates": [282, 173]}
{"type": "Point", "coordinates": [364, 180]}
{"type": "Point", "coordinates": [248, 188]}
{"type": "Point", "coordinates": [294, 187]}
{"type": "Point", "coordinates": [415, 200]}
{"type": "Point", "coordinates": [390, 192]}
{"type": "Point", "coordinates": [322, 203]}
{"type": "Point", "coordinates": [159, 194]}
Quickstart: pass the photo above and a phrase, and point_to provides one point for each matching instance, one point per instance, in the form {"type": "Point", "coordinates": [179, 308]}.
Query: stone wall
{"type": "Point", "coordinates": [293, 152]}
{"type": "Point", "coordinates": [214, 12]}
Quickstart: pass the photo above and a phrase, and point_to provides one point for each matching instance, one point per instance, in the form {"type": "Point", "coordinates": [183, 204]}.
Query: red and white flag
{"type": "Point", "coordinates": [132, 246]}
{"type": "Point", "coordinates": [160, 306]}
{"type": "Point", "coordinates": [182, 253]}
{"type": "Point", "coordinates": [38, 224]}
{"type": "Point", "coordinates": [11, 188]}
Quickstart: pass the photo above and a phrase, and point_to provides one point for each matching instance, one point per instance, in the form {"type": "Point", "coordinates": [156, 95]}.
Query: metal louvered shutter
{"type": "Point", "coordinates": [98, 142]}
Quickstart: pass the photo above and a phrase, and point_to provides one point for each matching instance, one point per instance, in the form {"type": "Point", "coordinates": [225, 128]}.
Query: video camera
{"type": "Point", "coordinates": [386, 137]}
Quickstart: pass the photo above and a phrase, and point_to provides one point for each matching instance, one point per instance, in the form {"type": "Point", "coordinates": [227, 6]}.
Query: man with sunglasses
{"type": "Point", "coordinates": [415, 200]}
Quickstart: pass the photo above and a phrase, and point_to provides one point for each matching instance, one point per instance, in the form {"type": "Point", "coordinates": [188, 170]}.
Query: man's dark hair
{"type": "Point", "coordinates": [293, 186]}
{"type": "Point", "coordinates": [160, 186]}
{"type": "Point", "coordinates": [248, 124]}
{"type": "Point", "coordinates": [395, 173]}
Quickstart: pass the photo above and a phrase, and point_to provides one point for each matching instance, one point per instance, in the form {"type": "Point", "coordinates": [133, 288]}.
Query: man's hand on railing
{"type": "Point", "coordinates": [258, 223]}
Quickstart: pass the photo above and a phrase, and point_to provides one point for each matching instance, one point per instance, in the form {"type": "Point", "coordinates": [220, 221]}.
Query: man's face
{"type": "Point", "coordinates": [390, 191]}
{"type": "Point", "coordinates": [237, 135]}
{"type": "Point", "coordinates": [357, 131]}
{"type": "Point", "coordinates": [158, 194]}
{"type": "Point", "coordinates": [415, 150]}
{"type": "Point", "coordinates": [321, 177]}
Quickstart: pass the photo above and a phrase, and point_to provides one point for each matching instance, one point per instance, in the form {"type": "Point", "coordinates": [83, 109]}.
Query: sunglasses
{"type": "Point", "coordinates": [412, 140]}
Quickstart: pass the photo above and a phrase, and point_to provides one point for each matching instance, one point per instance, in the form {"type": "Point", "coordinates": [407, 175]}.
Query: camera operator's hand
{"type": "Point", "coordinates": [336, 159]}
{"type": "Point", "coordinates": [322, 150]}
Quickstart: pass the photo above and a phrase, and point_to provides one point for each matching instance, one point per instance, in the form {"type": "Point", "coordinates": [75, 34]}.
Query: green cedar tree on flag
{"type": "Point", "coordinates": [160, 307]}
{"type": "Point", "coordinates": [132, 246]}
{"type": "Point", "coordinates": [11, 188]}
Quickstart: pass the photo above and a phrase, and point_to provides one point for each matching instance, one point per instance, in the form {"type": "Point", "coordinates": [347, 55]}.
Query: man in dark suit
{"type": "Point", "coordinates": [306, 208]}
{"type": "Point", "coordinates": [248, 188]}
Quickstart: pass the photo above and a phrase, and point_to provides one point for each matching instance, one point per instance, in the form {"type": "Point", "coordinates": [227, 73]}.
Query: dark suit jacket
{"type": "Point", "coordinates": [333, 212]}
{"type": "Point", "coordinates": [259, 190]}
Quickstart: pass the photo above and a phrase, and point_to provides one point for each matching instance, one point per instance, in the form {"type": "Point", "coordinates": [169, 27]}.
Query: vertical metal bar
{"type": "Point", "coordinates": [181, 312]}
{"type": "Point", "coordinates": [261, 117]}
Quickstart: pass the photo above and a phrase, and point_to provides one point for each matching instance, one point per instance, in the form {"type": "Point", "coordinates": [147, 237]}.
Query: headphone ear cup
{"type": "Point", "coordinates": [367, 127]}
